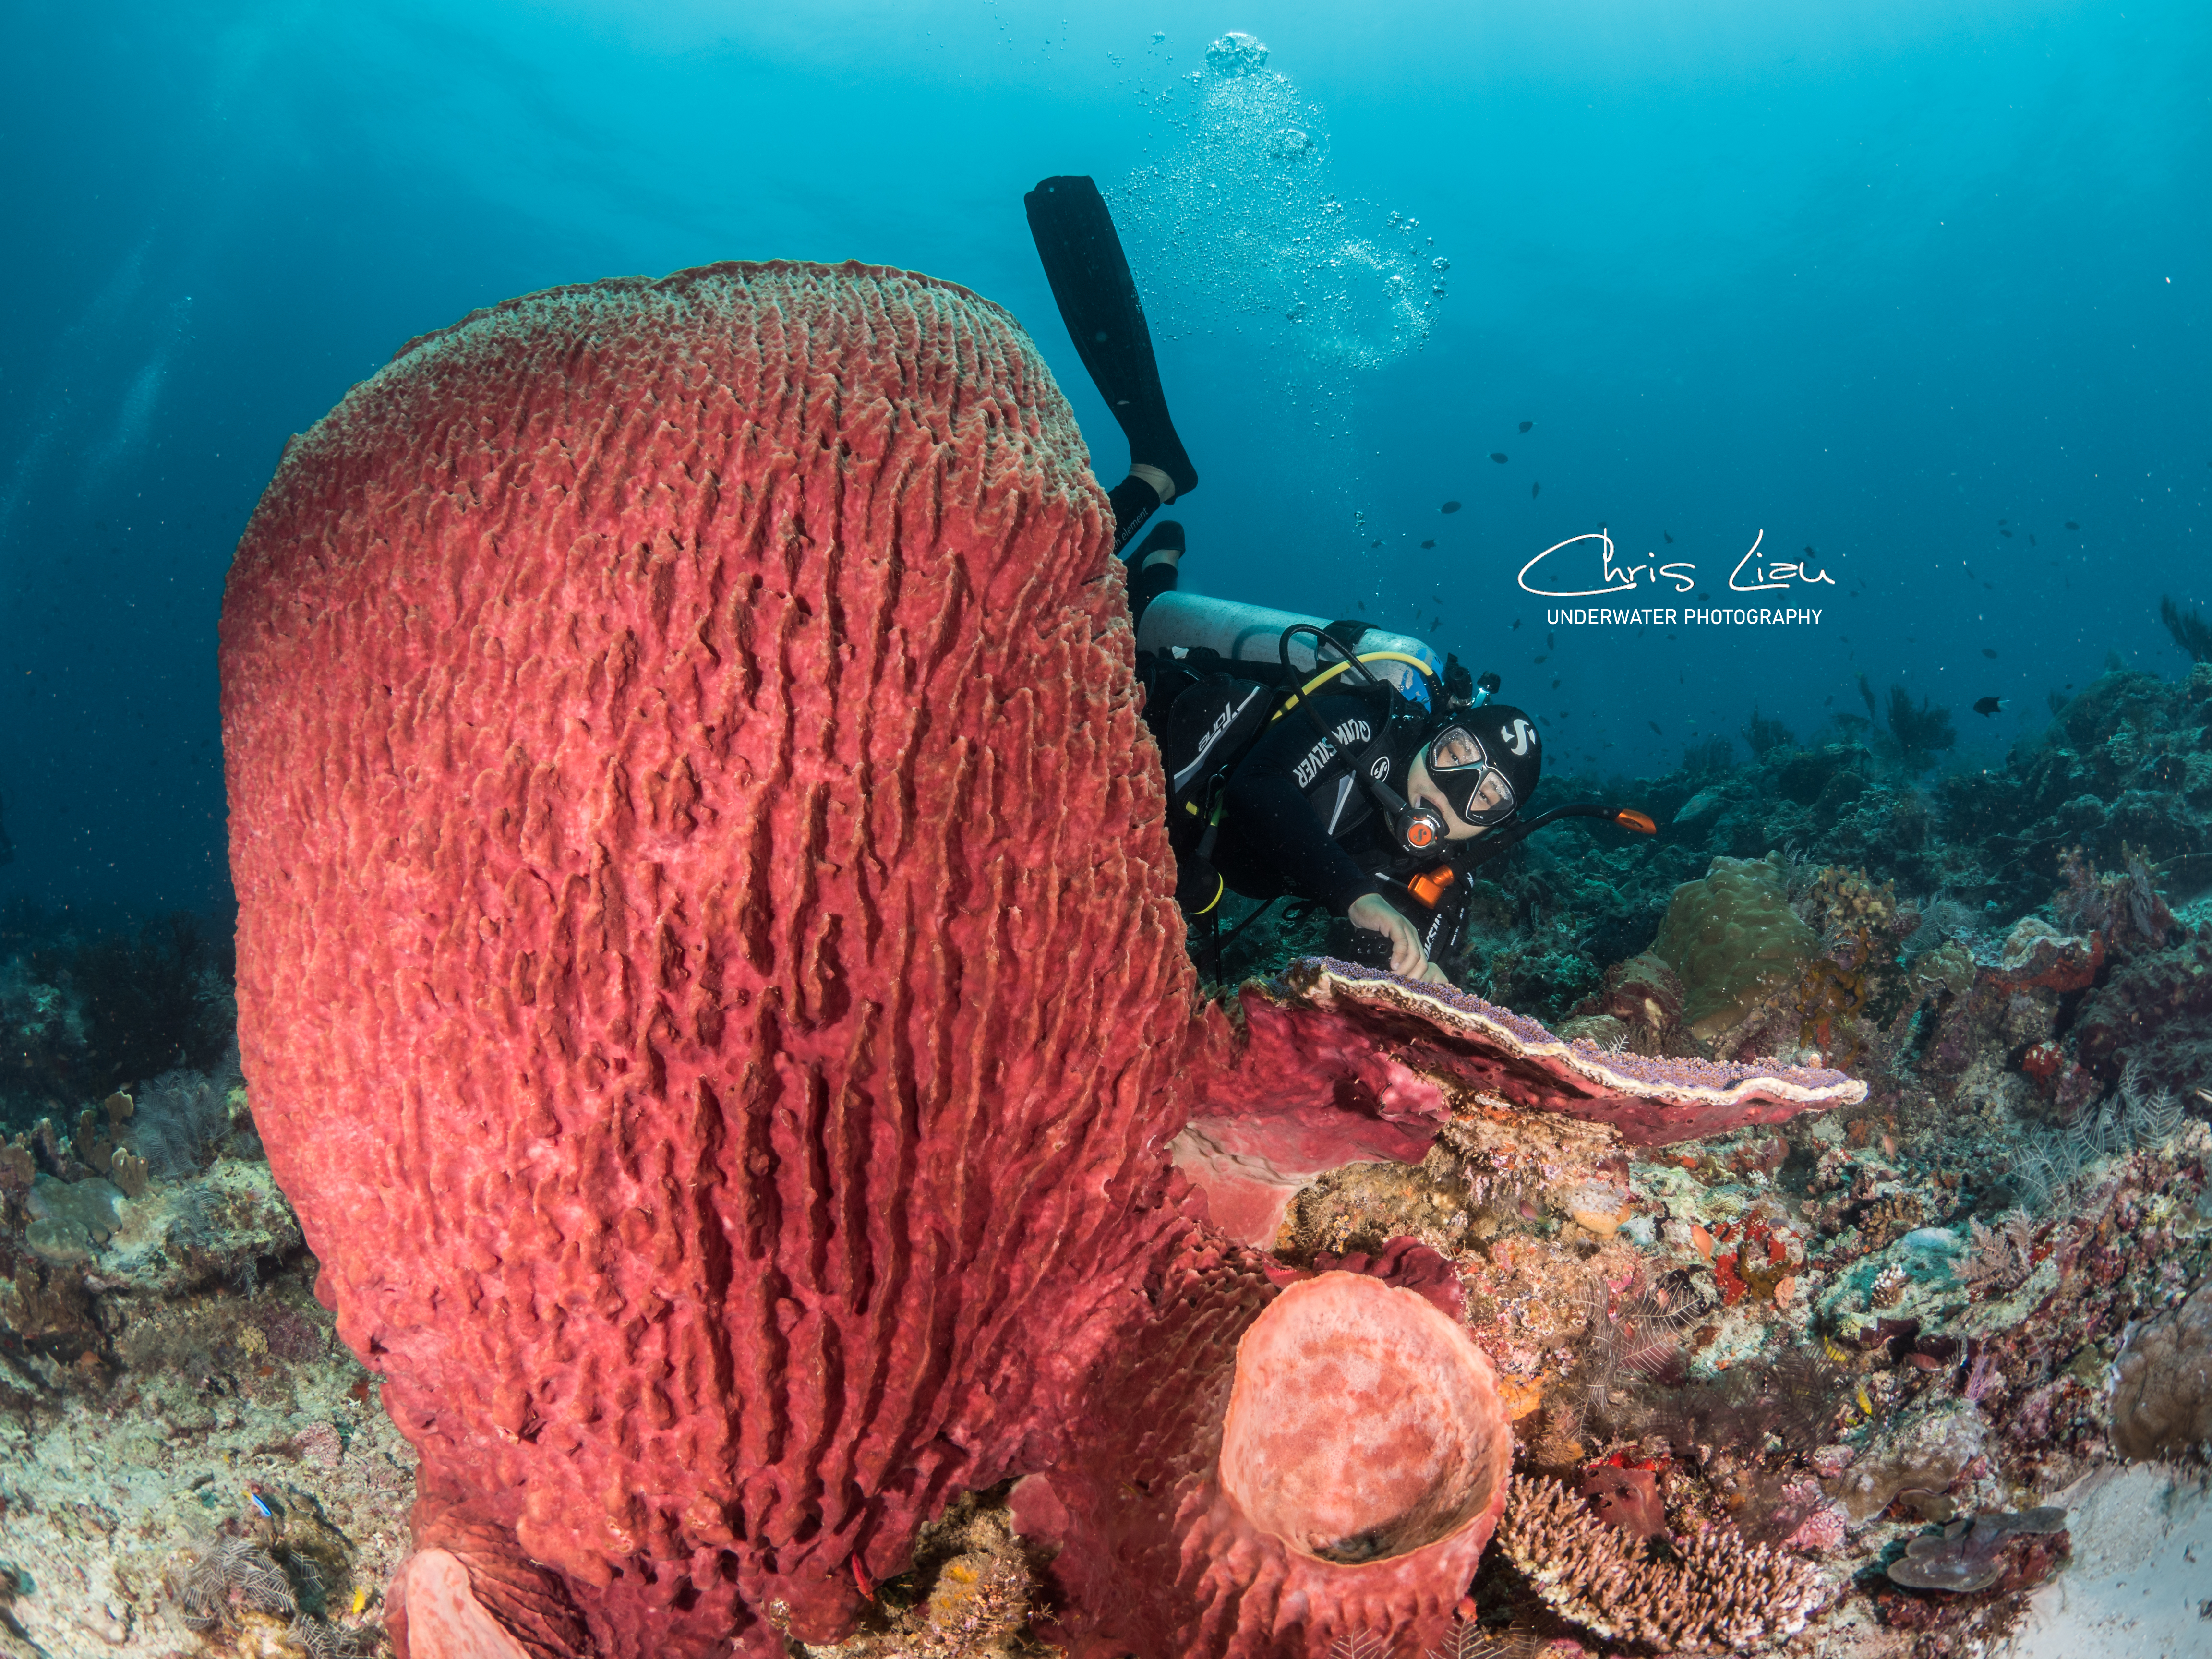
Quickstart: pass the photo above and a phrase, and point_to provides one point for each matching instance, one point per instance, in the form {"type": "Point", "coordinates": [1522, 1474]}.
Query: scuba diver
{"type": "Point", "coordinates": [1335, 762]}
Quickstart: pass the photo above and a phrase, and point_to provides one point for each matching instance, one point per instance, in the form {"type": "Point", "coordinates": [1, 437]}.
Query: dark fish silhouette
{"type": "Point", "coordinates": [1428, 543]}
{"type": "Point", "coordinates": [1555, 685]}
{"type": "Point", "coordinates": [2031, 541]}
{"type": "Point", "coordinates": [1450, 507]}
{"type": "Point", "coordinates": [1990, 654]}
{"type": "Point", "coordinates": [1435, 622]}
{"type": "Point", "coordinates": [1525, 425]}
{"type": "Point", "coordinates": [1988, 705]}
{"type": "Point", "coordinates": [1670, 540]}
{"type": "Point", "coordinates": [1826, 701]}
{"type": "Point", "coordinates": [1547, 640]}
{"type": "Point", "coordinates": [1498, 456]}
{"type": "Point", "coordinates": [1516, 621]}
{"type": "Point", "coordinates": [2007, 534]}
{"type": "Point", "coordinates": [1654, 725]}
{"type": "Point", "coordinates": [1535, 490]}
{"type": "Point", "coordinates": [1543, 659]}
{"type": "Point", "coordinates": [1809, 550]}
{"type": "Point", "coordinates": [1377, 542]}
{"type": "Point", "coordinates": [2070, 524]}
{"type": "Point", "coordinates": [1436, 599]}
{"type": "Point", "coordinates": [2004, 521]}
{"type": "Point", "coordinates": [1362, 603]}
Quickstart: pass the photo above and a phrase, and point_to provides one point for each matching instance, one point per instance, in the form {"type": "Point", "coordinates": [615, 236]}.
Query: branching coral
{"type": "Point", "coordinates": [1722, 1595]}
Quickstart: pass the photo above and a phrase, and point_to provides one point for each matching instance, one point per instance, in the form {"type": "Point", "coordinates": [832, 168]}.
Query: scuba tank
{"type": "Point", "coordinates": [1249, 639]}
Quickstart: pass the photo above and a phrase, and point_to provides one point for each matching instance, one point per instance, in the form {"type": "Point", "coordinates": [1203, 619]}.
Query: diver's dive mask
{"type": "Point", "coordinates": [1476, 788]}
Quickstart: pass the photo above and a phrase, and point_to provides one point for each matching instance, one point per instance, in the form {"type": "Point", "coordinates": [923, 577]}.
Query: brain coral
{"type": "Point", "coordinates": [1732, 938]}
{"type": "Point", "coordinates": [710, 982]}
{"type": "Point", "coordinates": [670, 727]}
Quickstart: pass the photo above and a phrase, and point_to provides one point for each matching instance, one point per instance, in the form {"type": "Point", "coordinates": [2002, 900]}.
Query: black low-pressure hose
{"type": "Point", "coordinates": [1486, 848]}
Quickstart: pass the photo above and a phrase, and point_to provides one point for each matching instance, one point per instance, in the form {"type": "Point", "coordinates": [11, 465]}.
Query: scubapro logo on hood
{"type": "Point", "coordinates": [1517, 736]}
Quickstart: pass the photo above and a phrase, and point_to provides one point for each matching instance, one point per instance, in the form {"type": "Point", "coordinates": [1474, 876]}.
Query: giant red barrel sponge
{"type": "Point", "coordinates": [708, 965]}
{"type": "Point", "coordinates": [709, 981]}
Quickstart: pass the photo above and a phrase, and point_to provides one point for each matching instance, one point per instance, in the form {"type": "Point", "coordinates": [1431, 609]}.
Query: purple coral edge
{"type": "Point", "coordinates": [1680, 1081]}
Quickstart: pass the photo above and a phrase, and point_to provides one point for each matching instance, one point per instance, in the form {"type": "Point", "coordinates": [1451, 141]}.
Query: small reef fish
{"type": "Point", "coordinates": [1535, 490]}
{"type": "Point", "coordinates": [1988, 705]}
{"type": "Point", "coordinates": [1516, 621]}
{"type": "Point", "coordinates": [1427, 544]}
{"type": "Point", "coordinates": [1542, 659]}
{"type": "Point", "coordinates": [1989, 651]}
{"type": "Point", "coordinates": [1670, 540]}
{"type": "Point", "coordinates": [1525, 425]}
{"type": "Point", "coordinates": [2007, 534]}
{"type": "Point", "coordinates": [2070, 524]}
{"type": "Point", "coordinates": [1654, 725]}
{"type": "Point", "coordinates": [1449, 507]}
{"type": "Point", "coordinates": [1499, 456]}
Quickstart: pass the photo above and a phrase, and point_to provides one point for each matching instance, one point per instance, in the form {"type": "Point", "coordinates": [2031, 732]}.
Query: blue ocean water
{"type": "Point", "coordinates": [1919, 286]}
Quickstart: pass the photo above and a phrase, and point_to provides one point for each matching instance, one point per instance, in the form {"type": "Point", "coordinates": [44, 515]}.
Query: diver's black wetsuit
{"type": "Point", "coordinates": [1298, 818]}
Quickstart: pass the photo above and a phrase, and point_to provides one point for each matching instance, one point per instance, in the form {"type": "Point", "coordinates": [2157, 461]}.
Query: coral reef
{"type": "Point", "coordinates": [1732, 937]}
{"type": "Point", "coordinates": [1719, 1596]}
{"type": "Point", "coordinates": [1972, 1555]}
{"type": "Point", "coordinates": [645, 1015]}
{"type": "Point", "coordinates": [2161, 1400]}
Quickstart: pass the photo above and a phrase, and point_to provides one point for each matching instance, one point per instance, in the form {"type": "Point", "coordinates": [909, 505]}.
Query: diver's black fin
{"type": "Point", "coordinates": [1097, 297]}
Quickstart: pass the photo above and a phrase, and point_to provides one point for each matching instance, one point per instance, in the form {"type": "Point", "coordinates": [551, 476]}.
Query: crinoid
{"type": "Point", "coordinates": [1635, 1332]}
{"type": "Point", "coordinates": [1999, 1258]}
{"type": "Point", "coordinates": [226, 1577]}
{"type": "Point", "coordinates": [1794, 1399]}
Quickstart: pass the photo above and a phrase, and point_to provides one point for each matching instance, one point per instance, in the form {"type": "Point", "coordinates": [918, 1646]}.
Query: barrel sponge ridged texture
{"type": "Point", "coordinates": [707, 968]}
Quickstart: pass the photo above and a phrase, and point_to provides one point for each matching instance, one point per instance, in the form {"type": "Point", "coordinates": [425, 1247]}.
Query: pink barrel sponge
{"type": "Point", "coordinates": [710, 984]}
{"type": "Point", "coordinates": [708, 965]}
{"type": "Point", "coordinates": [1364, 1465]}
